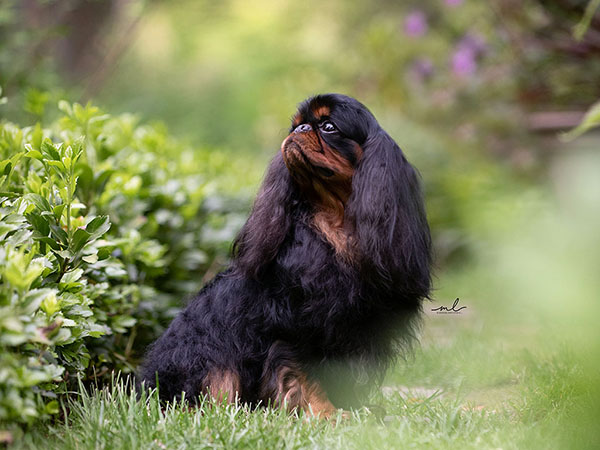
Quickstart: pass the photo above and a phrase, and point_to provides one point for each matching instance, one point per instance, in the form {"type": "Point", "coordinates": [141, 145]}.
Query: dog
{"type": "Point", "coordinates": [326, 280]}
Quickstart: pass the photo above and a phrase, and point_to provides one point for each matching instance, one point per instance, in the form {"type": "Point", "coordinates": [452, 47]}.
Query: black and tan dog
{"type": "Point", "coordinates": [327, 274]}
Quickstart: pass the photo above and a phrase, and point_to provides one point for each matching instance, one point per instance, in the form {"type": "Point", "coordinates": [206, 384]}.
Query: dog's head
{"type": "Point", "coordinates": [325, 144]}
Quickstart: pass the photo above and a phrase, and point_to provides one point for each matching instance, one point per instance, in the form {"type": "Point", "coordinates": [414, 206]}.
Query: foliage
{"type": "Point", "coordinates": [589, 121]}
{"type": "Point", "coordinates": [105, 225]}
{"type": "Point", "coordinates": [583, 26]}
{"type": "Point", "coordinates": [592, 116]}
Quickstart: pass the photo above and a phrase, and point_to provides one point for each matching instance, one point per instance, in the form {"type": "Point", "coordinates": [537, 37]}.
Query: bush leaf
{"type": "Point", "coordinates": [590, 120]}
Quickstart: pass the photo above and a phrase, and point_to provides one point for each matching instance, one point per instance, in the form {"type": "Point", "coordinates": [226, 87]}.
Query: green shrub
{"type": "Point", "coordinates": [105, 226]}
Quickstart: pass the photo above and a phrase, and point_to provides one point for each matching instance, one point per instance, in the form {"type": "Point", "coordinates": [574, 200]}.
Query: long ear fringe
{"type": "Point", "coordinates": [261, 236]}
{"type": "Point", "coordinates": [386, 214]}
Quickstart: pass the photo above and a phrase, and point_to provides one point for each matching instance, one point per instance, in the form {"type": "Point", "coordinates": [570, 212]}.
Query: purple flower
{"type": "Point", "coordinates": [474, 42]}
{"type": "Point", "coordinates": [463, 62]}
{"type": "Point", "coordinates": [422, 68]}
{"type": "Point", "coordinates": [453, 3]}
{"type": "Point", "coordinates": [468, 50]}
{"type": "Point", "coordinates": [415, 24]}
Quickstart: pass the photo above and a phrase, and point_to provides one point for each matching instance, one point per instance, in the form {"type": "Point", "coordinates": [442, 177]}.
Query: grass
{"type": "Point", "coordinates": [465, 387]}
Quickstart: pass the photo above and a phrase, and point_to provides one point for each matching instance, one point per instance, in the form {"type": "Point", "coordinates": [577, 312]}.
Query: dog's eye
{"type": "Point", "coordinates": [328, 127]}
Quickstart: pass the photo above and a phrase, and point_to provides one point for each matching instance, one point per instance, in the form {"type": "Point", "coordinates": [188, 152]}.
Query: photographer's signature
{"type": "Point", "coordinates": [452, 310]}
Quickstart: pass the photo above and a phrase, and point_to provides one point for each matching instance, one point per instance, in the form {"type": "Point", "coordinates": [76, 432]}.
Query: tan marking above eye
{"type": "Point", "coordinates": [321, 111]}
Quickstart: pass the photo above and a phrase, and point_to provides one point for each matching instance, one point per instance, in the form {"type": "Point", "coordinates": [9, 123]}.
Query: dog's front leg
{"type": "Point", "coordinates": [285, 384]}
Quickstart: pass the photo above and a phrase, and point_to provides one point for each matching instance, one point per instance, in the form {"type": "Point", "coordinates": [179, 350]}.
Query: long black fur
{"type": "Point", "coordinates": [287, 298]}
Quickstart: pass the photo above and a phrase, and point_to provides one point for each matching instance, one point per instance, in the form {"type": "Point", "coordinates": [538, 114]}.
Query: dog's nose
{"type": "Point", "coordinates": [303, 128]}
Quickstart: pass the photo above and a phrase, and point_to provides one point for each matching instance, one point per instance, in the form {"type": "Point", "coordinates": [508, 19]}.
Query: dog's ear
{"type": "Point", "coordinates": [387, 218]}
{"type": "Point", "coordinates": [263, 233]}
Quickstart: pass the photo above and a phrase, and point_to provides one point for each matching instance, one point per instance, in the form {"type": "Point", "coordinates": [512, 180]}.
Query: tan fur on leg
{"type": "Point", "coordinates": [222, 385]}
{"type": "Point", "coordinates": [295, 390]}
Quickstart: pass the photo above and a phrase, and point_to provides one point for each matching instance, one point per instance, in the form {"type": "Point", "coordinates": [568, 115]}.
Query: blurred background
{"type": "Point", "coordinates": [474, 92]}
{"type": "Point", "coordinates": [478, 95]}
